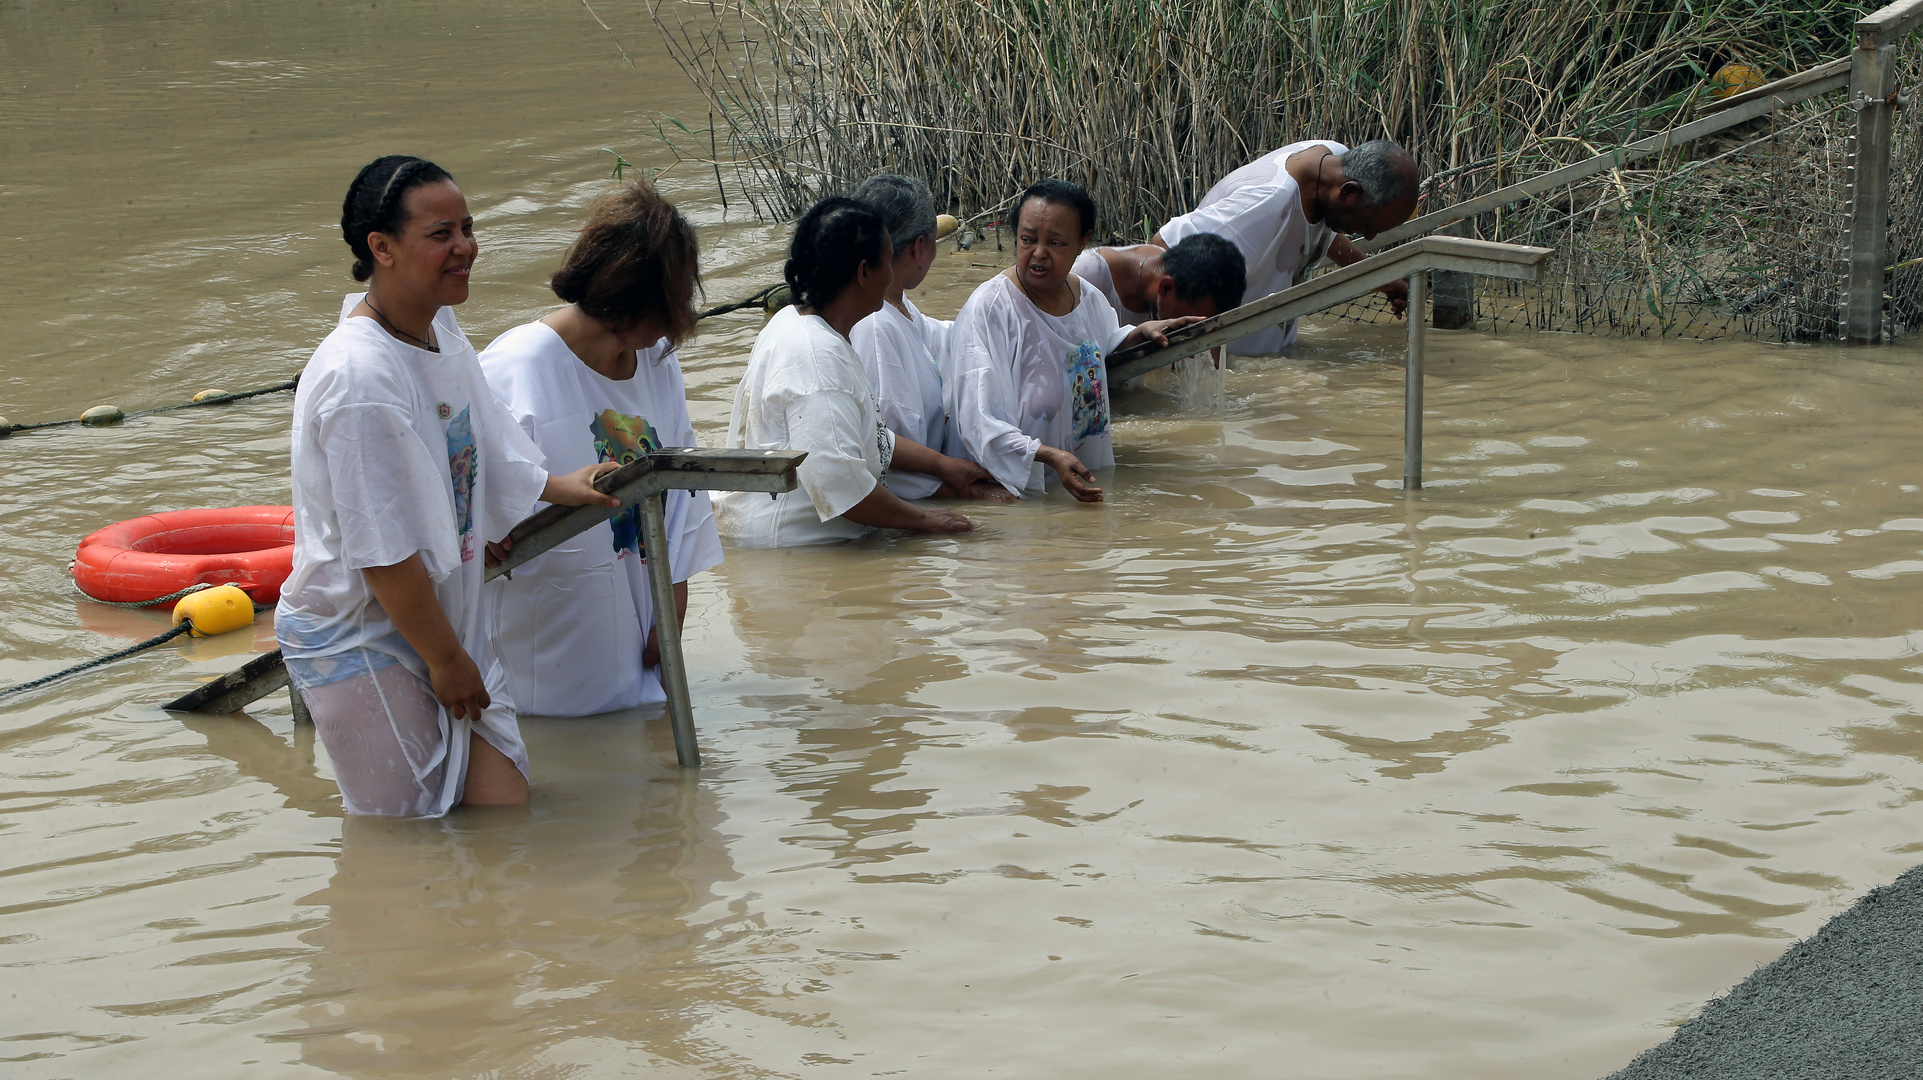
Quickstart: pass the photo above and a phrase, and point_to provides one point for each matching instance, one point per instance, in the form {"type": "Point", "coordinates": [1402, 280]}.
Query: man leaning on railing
{"type": "Point", "coordinates": [1289, 208]}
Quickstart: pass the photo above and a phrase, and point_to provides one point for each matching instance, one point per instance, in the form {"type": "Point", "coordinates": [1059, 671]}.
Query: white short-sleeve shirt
{"type": "Point", "coordinates": [570, 625]}
{"type": "Point", "coordinates": [1258, 208]}
{"type": "Point", "coordinates": [399, 451]}
{"type": "Point", "coordinates": [1020, 379]}
{"type": "Point", "coordinates": [804, 389]}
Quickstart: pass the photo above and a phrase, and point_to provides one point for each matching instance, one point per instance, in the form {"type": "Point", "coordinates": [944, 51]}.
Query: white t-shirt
{"type": "Point", "coordinates": [1020, 379]}
{"type": "Point", "coordinates": [570, 625]}
{"type": "Point", "coordinates": [1258, 208]}
{"type": "Point", "coordinates": [397, 451]}
{"type": "Point", "coordinates": [901, 355]}
{"type": "Point", "coordinates": [1091, 267]}
{"type": "Point", "coordinates": [804, 390]}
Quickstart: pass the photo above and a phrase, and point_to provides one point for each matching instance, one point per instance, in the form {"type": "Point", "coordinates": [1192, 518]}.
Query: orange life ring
{"type": "Point", "coordinates": [161, 554]}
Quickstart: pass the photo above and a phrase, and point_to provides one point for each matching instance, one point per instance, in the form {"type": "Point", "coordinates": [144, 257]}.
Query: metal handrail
{"type": "Point", "coordinates": [1727, 113]}
{"type": "Point", "coordinates": [1413, 261]}
{"type": "Point", "coordinates": [643, 482]}
{"type": "Point", "coordinates": [1327, 290]}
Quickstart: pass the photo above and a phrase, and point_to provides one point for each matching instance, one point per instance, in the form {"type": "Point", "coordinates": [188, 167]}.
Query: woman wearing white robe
{"type": "Point", "coordinates": [902, 350]}
{"type": "Point", "coordinates": [598, 381]}
{"type": "Point", "coordinates": [804, 389]}
{"type": "Point", "coordinates": [1027, 388]}
{"type": "Point", "coordinates": [404, 467]}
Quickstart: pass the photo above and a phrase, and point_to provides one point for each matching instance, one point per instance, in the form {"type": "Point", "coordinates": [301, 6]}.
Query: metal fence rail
{"type": "Point", "coordinates": [1792, 212]}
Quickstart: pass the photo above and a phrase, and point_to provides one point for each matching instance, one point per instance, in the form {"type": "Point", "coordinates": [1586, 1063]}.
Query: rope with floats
{"type": "Point", "coordinates": [173, 632]}
{"type": "Point", "coordinates": [203, 610]}
{"type": "Point", "coordinates": [770, 299]}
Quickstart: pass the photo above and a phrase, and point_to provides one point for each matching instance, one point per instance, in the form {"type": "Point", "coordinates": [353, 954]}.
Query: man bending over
{"type": "Point", "coordinates": [1202, 275]}
{"type": "Point", "coordinates": [1289, 208]}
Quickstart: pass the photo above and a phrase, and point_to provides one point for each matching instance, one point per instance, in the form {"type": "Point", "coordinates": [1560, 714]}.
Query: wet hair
{"type": "Point", "coordinates": [833, 240]}
{"type": "Point", "coordinates": [377, 203]}
{"type": "Point", "coordinates": [1206, 265]}
{"type": "Point", "coordinates": [904, 204]}
{"type": "Point", "coordinates": [1383, 169]}
{"type": "Point", "coordinates": [1060, 193]}
{"type": "Point", "coordinates": [636, 259]}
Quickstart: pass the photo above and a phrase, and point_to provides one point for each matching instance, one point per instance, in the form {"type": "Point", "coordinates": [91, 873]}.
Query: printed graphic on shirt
{"type": "Point", "coordinates": [621, 438]}
{"type": "Point", "coordinates": [462, 465]}
{"type": "Point", "coordinates": [1089, 407]}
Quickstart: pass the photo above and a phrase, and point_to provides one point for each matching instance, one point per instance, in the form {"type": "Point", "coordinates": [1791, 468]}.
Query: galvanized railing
{"type": "Point", "coordinates": [1413, 261]}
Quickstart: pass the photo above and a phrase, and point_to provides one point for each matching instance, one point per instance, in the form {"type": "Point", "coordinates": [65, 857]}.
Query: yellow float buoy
{"type": "Point", "coordinates": [945, 224]}
{"type": "Point", "coordinates": [101, 415]}
{"type": "Point", "coordinates": [216, 610]}
{"type": "Point", "coordinates": [779, 297]}
{"type": "Point", "coordinates": [6, 427]}
{"type": "Point", "coordinates": [210, 392]}
{"type": "Point", "coordinates": [1733, 79]}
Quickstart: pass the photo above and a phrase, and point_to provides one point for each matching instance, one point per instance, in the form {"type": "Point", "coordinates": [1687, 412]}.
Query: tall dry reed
{"type": "Point", "coordinates": [1147, 102]}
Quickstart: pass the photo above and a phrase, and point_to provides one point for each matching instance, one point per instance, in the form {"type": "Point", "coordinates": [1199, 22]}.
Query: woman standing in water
{"type": "Point", "coordinates": [598, 381]}
{"type": "Point", "coordinates": [404, 467]}
{"type": "Point", "coordinates": [901, 349]}
{"type": "Point", "coordinates": [805, 390]}
{"type": "Point", "coordinates": [1027, 388]}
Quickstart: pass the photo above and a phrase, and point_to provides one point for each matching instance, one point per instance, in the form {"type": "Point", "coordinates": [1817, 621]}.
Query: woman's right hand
{"type": "Point", "coordinates": [458, 686]}
{"type": "Point", "coordinates": [577, 488]}
{"type": "Point", "coordinates": [1075, 475]}
{"type": "Point", "coordinates": [937, 520]}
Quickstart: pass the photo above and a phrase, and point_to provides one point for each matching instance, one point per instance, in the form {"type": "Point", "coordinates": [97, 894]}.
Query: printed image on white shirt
{"type": "Point", "coordinates": [621, 438]}
{"type": "Point", "coordinates": [1084, 371]}
{"type": "Point", "coordinates": [462, 465]}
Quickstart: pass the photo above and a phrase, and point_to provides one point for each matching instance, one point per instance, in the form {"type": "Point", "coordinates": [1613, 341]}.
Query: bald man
{"type": "Point", "coordinates": [1288, 209]}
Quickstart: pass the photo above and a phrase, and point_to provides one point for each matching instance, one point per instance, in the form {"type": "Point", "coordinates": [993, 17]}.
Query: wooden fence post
{"type": "Point", "coordinates": [1872, 76]}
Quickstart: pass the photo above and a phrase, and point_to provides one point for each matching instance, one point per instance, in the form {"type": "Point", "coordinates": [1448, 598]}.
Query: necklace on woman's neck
{"type": "Point", "coordinates": [1032, 298]}
{"type": "Point", "coordinates": [397, 331]}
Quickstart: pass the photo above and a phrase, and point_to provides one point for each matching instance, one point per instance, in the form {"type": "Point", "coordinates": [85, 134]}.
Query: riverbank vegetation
{"type": "Point", "coordinates": [1147, 102]}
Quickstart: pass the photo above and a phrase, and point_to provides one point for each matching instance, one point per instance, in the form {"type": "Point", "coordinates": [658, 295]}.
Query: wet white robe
{"type": "Point", "coordinates": [1020, 379]}
{"type": "Point", "coordinates": [570, 625]}
{"type": "Point", "coordinates": [1092, 268]}
{"type": "Point", "coordinates": [804, 390]}
{"type": "Point", "coordinates": [901, 355]}
{"type": "Point", "coordinates": [400, 451]}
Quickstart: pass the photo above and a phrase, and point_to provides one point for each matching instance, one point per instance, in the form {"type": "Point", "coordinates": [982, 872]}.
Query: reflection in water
{"type": "Point", "coordinates": [516, 941]}
{"type": "Point", "coordinates": [1261, 761]}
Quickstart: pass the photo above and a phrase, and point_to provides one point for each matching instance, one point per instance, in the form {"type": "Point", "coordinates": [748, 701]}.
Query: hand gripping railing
{"type": "Point", "coordinates": [645, 481]}
{"type": "Point", "coordinates": [1413, 261]}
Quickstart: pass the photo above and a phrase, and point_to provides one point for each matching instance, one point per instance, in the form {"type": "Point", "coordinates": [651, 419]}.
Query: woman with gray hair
{"type": "Point", "coordinates": [903, 350]}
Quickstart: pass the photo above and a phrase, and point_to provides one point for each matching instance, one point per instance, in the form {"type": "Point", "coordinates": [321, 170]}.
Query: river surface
{"type": "Point", "coordinates": [1262, 768]}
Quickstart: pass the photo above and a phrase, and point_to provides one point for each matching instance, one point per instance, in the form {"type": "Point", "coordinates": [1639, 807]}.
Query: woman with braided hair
{"type": "Point", "coordinates": [805, 390]}
{"type": "Point", "coordinates": [404, 468]}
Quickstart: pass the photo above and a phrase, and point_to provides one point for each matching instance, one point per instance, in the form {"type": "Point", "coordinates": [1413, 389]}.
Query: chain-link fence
{"type": "Point", "coordinates": [1744, 233]}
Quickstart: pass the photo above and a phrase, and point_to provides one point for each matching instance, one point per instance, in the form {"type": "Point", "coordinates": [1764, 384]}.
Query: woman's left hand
{"type": "Point", "coordinates": [1157, 330]}
{"type": "Point", "coordinates": [577, 488]}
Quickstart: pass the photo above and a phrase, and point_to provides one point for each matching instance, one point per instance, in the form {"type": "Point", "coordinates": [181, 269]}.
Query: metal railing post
{"type": "Point", "coordinates": [667, 630]}
{"type": "Point", "coordinates": [1412, 388]}
{"type": "Point", "coordinates": [1872, 73]}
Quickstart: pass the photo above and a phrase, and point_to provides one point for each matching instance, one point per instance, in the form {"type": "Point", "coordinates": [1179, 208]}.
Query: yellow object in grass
{"type": "Point", "coordinates": [945, 224]}
{"type": "Point", "coordinates": [216, 610]}
{"type": "Point", "coordinates": [1733, 79]}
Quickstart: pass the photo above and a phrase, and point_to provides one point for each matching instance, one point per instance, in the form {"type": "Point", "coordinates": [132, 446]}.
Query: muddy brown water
{"type": "Point", "coordinates": [1260, 769]}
